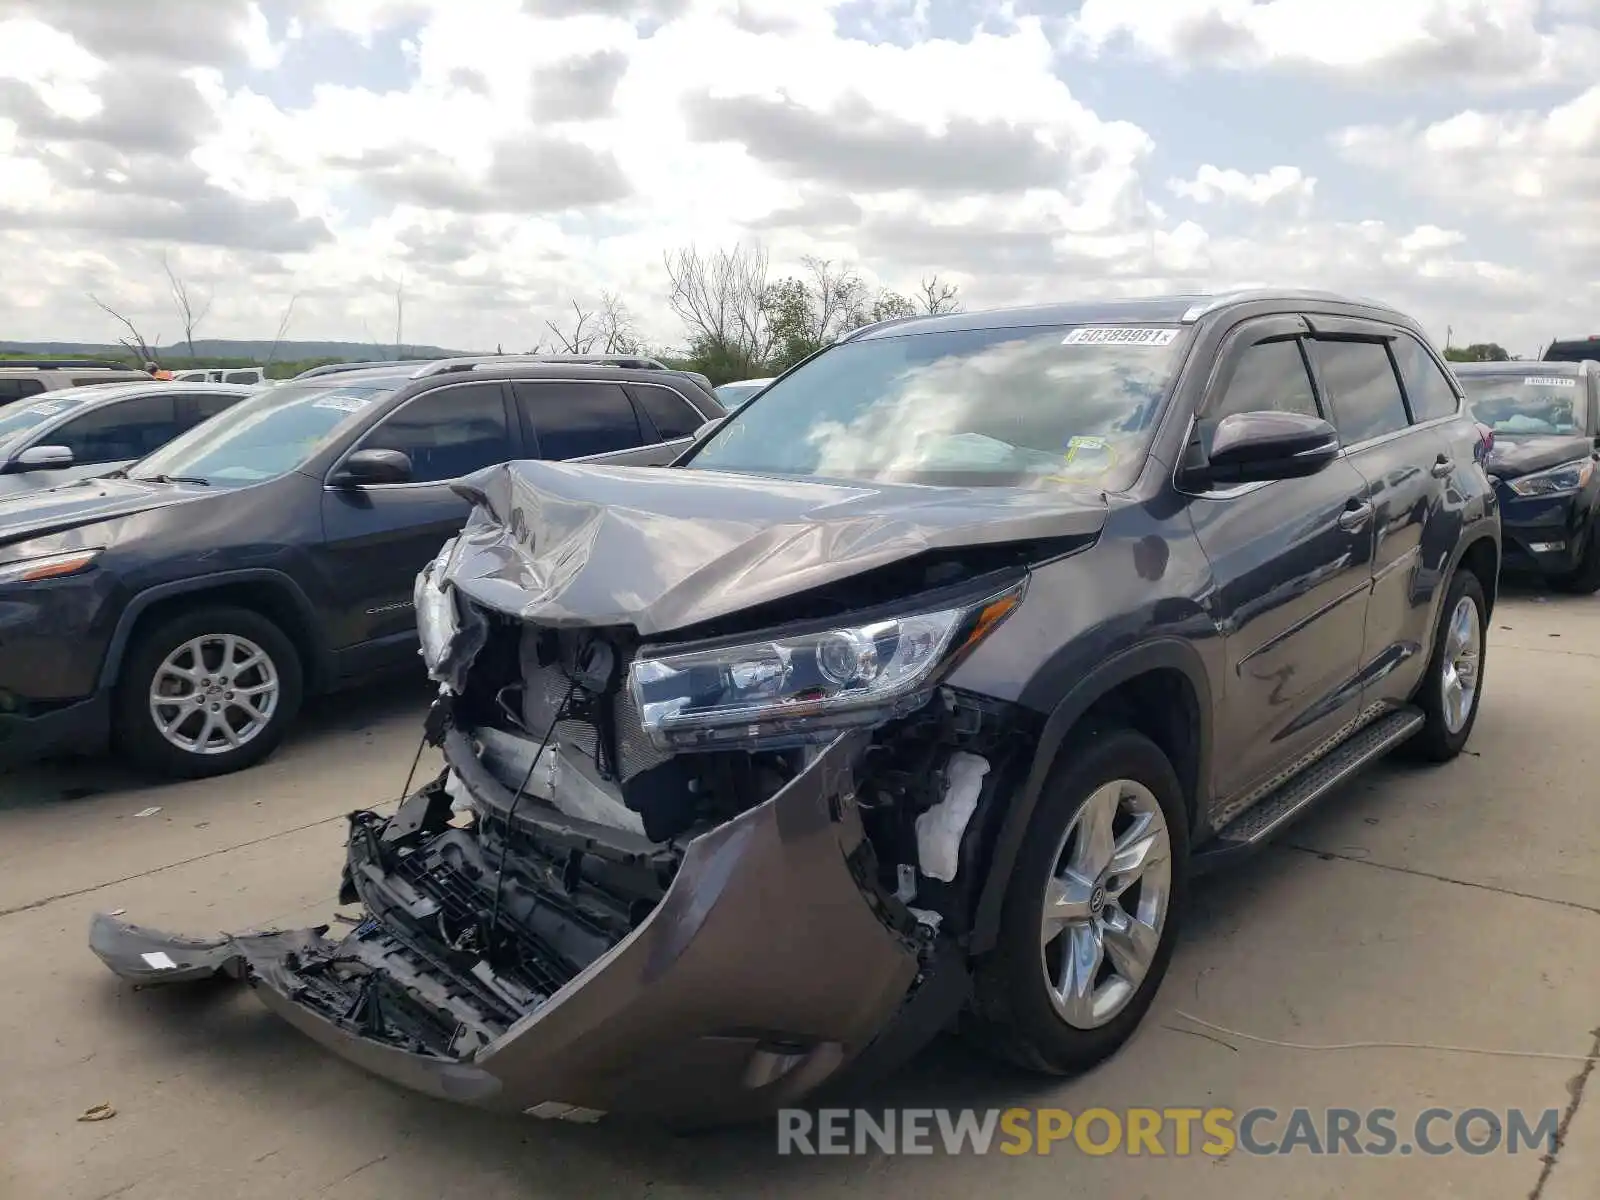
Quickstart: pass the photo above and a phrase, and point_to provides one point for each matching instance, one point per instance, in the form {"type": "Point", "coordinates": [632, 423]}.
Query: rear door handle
{"type": "Point", "coordinates": [1442, 466]}
{"type": "Point", "coordinates": [1355, 516]}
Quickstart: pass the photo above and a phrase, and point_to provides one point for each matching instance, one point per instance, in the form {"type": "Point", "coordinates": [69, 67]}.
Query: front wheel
{"type": "Point", "coordinates": [207, 692]}
{"type": "Point", "coordinates": [1453, 685]}
{"type": "Point", "coordinates": [1585, 579]}
{"type": "Point", "coordinates": [1092, 912]}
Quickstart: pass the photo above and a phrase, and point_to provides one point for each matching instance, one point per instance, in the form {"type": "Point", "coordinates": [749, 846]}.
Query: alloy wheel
{"type": "Point", "coordinates": [214, 694]}
{"type": "Point", "coordinates": [1106, 903]}
{"type": "Point", "coordinates": [1463, 656]}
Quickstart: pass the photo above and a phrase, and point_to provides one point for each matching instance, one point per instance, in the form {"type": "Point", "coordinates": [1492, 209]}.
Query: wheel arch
{"type": "Point", "coordinates": [1482, 558]}
{"type": "Point", "coordinates": [1159, 688]}
{"type": "Point", "coordinates": [270, 594]}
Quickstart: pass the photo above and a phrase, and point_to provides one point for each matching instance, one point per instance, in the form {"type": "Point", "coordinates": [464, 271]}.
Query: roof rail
{"type": "Point", "coordinates": [341, 367]}
{"type": "Point", "coordinates": [445, 366]}
{"type": "Point", "coordinates": [852, 334]}
{"type": "Point", "coordinates": [66, 364]}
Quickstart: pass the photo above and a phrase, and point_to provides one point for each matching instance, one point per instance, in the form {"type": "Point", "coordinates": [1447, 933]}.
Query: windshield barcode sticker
{"type": "Point", "coordinates": [347, 404]}
{"type": "Point", "coordinates": [1549, 381]}
{"type": "Point", "coordinates": [1118, 335]}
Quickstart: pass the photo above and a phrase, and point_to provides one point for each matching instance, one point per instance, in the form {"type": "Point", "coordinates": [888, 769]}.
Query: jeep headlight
{"type": "Point", "coordinates": [1568, 477]}
{"type": "Point", "coordinates": [801, 688]}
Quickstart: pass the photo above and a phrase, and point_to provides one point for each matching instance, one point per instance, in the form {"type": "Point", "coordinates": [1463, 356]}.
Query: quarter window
{"type": "Point", "coordinates": [17, 389]}
{"type": "Point", "coordinates": [1359, 382]}
{"type": "Point", "coordinates": [1269, 377]}
{"type": "Point", "coordinates": [670, 413]}
{"type": "Point", "coordinates": [1427, 389]}
{"type": "Point", "coordinates": [448, 433]}
{"type": "Point", "coordinates": [573, 420]}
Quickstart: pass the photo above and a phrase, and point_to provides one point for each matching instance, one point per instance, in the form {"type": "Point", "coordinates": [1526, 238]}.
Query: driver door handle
{"type": "Point", "coordinates": [1442, 466]}
{"type": "Point", "coordinates": [1355, 516]}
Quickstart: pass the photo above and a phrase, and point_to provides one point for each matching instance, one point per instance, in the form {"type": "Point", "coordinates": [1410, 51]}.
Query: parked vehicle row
{"type": "Point", "coordinates": [919, 688]}
{"type": "Point", "coordinates": [184, 607]}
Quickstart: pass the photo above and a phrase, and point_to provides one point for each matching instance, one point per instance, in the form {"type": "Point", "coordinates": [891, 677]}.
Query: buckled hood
{"type": "Point", "coordinates": [662, 549]}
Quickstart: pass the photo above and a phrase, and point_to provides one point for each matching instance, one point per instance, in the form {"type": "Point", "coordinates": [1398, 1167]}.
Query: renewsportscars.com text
{"type": "Point", "coordinates": [1175, 1131]}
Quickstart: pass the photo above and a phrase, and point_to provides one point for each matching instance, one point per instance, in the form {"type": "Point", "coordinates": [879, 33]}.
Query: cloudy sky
{"type": "Point", "coordinates": [502, 157]}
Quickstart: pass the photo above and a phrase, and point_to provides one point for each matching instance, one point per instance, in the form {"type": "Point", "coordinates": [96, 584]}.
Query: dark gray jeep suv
{"type": "Point", "coordinates": [916, 692]}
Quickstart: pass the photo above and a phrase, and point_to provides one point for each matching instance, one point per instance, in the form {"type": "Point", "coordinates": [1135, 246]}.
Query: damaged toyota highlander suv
{"type": "Point", "coordinates": [912, 696]}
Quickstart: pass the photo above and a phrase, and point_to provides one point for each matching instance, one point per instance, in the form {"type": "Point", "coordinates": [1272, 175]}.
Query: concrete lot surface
{"type": "Point", "coordinates": [1456, 906]}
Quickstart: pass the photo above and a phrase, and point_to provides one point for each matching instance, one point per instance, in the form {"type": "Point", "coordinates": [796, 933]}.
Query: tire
{"type": "Point", "coordinates": [1585, 581]}
{"type": "Point", "coordinates": [1445, 732]}
{"type": "Point", "coordinates": [270, 688]}
{"type": "Point", "coordinates": [1017, 1014]}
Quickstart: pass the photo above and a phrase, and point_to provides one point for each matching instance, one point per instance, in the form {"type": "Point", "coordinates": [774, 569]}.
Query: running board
{"type": "Point", "coordinates": [1262, 820]}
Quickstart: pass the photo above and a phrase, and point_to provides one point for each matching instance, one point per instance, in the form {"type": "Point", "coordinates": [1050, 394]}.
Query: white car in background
{"type": "Point", "coordinates": [249, 376]}
{"type": "Point", "coordinates": [734, 394]}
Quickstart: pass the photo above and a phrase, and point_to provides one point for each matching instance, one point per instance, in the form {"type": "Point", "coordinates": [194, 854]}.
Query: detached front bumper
{"type": "Point", "coordinates": [770, 962]}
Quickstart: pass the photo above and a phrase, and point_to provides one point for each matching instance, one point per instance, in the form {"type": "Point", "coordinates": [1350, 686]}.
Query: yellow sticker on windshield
{"type": "Point", "coordinates": [1085, 458]}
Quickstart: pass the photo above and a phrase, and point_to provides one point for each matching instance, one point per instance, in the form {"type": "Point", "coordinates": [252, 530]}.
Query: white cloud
{"type": "Point", "coordinates": [540, 150]}
{"type": "Point", "coordinates": [1212, 184]}
{"type": "Point", "coordinates": [1473, 43]}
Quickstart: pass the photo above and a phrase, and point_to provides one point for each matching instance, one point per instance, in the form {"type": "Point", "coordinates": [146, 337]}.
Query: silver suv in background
{"type": "Point", "coordinates": [24, 377]}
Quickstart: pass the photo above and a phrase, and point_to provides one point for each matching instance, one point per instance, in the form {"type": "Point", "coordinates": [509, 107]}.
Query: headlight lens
{"type": "Point", "coordinates": [438, 619]}
{"type": "Point", "coordinates": [1568, 477]}
{"type": "Point", "coordinates": [48, 566]}
{"type": "Point", "coordinates": [799, 689]}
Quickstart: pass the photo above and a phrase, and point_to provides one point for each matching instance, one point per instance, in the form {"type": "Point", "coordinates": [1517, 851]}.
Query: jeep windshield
{"type": "Point", "coordinates": [1527, 403]}
{"type": "Point", "coordinates": [263, 437]}
{"type": "Point", "coordinates": [1036, 406]}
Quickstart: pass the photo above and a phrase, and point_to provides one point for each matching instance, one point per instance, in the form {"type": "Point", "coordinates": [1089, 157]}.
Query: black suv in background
{"type": "Point", "coordinates": [934, 673]}
{"type": "Point", "coordinates": [187, 604]}
{"type": "Point", "coordinates": [1545, 418]}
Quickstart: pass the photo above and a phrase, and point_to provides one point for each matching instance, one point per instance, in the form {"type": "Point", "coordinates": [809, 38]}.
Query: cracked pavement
{"type": "Point", "coordinates": [1456, 906]}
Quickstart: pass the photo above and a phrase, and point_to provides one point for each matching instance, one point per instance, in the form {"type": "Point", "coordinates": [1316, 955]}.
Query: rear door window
{"type": "Point", "coordinates": [1359, 382]}
{"type": "Point", "coordinates": [120, 432]}
{"type": "Point", "coordinates": [573, 420]}
{"type": "Point", "coordinates": [241, 377]}
{"type": "Point", "coordinates": [192, 409]}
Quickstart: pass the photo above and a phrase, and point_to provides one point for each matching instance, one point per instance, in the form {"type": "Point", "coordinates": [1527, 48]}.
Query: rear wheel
{"type": "Point", "coordinates": [207, 692]}
{"type": "Point", "coordinates": [1453, 685]}
{"type": "Point", "coordinates": [1091, 915]}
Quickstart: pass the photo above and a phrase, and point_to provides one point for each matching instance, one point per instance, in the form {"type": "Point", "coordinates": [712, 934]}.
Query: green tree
{"type": "Point", "coordinates": [1478, 352]}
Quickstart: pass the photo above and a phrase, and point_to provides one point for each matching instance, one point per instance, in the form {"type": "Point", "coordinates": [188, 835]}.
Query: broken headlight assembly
{"type": "Point", "coordinates": [438, 619]}
{"type": "Point", "coordinates": [801, 688]}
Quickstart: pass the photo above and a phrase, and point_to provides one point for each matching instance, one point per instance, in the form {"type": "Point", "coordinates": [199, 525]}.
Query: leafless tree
{"type": "Point", "coordinates": [617, 332]}
{"type": "Point", "coordinates": [839, 299]}
{"type": "Point", "coordinates": [582, 335]}
{"type": "Point", "coordinates": [283, 328]}
{"type": "Point", "coordinates": [192, 308]}
{"type": "Point", "coordinates": [134, 342]}
{"type": "Point", "coordinates": [721, 299]}
{"type": "Point", "coordinates": [936, 297]}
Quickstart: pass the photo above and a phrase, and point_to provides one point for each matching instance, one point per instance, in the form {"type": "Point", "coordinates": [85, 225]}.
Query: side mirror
{"type": "Point", "coordinates": [43, 458]}
{"type": "Point", "coordinates": [373, 466]}
{"type": "Point", "coordinates": [1257, 447]}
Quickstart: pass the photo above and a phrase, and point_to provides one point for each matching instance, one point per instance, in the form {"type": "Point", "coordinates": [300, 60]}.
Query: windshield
{"type": "Point", "coordinates": [734, 394]}
{"type": "Point", "coordinates": [979, 407]}
{"type": "Point", "coordinates": [1528, 404]}
{"type": "Point", "coordinates": [263, 437]}
{"type": "Point", "coordinates": [17, 421]}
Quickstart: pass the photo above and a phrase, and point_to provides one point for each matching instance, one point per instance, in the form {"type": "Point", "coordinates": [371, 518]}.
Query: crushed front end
{"type": "Point", "coordinates": [673, 876]}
